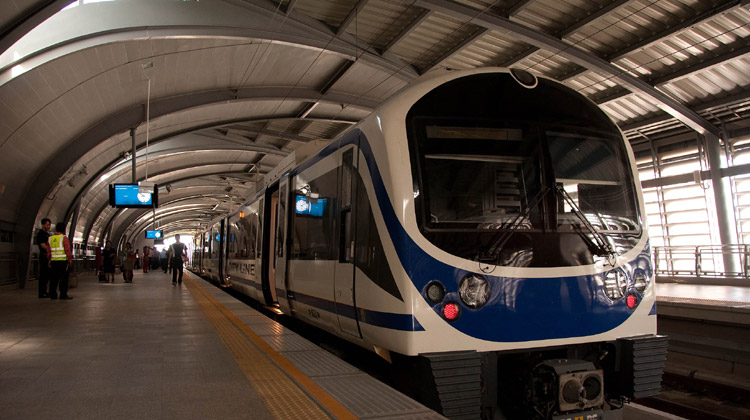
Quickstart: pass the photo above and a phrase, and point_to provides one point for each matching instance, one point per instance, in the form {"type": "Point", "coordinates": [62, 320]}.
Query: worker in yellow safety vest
{"type": "Point", "coordinates": [61, 262]}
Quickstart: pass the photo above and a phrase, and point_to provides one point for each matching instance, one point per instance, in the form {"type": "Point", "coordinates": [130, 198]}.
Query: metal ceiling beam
{"type": "Point", "coordinates": [701, 17]}
{"type": "Point", "coordinates": [517, 8]}
{"type": "Point", "coordinates": [142, 222]}
{"type": "Point", "coordinates": [518, 57]}
{"type": "Point", "coordinates": [723, 102]}
{"type": "Point", "coordinates": [297, 29]}
{"type": "Point", "coordinates": [290, 6]}
{"type": "Point", "coordinates": [337, 75]}
{"type": "Point", "coordinates": [738, 49]}
{"type": "Point", "coordinates": [352, 16]}
{"type": "Point", "coordinates": [29, 19]}
{"type": "Point", "coordinates": [272, 133]}
{"type": "Point", "coordinates": [603, 11]}
{"type": "Point", "coordinates": [167, 137]}
{"type": "Point", "coordinates": [408, 29]}
{"type": "Point", "coordinates": [51, 171]}
{"type": "Point", "coordinates": [251, 144]}
{"type": "Point", "coordinates": [569, 52]}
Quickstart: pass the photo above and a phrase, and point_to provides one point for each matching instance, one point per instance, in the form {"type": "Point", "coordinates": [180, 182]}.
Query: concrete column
{"type": "Point", "coordinates": [724, 206]}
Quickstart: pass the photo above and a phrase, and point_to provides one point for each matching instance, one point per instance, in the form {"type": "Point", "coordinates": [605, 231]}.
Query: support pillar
{"type": "Point", "coordinates": [723, 202]}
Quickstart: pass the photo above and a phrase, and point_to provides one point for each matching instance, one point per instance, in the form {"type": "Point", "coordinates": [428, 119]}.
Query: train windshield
{"type": "Point", "coordinates": [496, 178]}
{"type": "Point", "coordinates": [515, 189]}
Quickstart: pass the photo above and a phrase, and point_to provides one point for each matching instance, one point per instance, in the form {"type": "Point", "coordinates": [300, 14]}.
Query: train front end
{"type": "Point", "coordinates": [524, 237]}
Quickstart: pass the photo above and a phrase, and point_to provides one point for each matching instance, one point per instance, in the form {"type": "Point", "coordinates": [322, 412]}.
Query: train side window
{"type": "Point", "coordinates": [314, 217]}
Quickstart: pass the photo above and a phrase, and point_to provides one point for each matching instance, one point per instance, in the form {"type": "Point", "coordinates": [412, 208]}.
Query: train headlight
{"type": "Point", "coordinates": [435, 292]}
{"type": "Point", "coordinates": [615, 284]}
{"type": "Point", "coordinates": [640, 281]}
{"type": "Point", "coordinates": [474, 291]}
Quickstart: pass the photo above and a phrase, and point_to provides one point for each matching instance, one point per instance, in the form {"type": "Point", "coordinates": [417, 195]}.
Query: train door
{"type": "Point", "coordinates": [223, 228]}
{"type": "Point", "coordinates": [270, 245]}
{"type": "Point", "coordinates": [280, 259]}
{"type": "Point", "coordinates": [344, 286]}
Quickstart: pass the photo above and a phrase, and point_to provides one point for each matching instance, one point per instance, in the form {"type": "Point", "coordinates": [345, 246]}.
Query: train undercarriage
{"type": "Point", "coordinates": [586, 381]}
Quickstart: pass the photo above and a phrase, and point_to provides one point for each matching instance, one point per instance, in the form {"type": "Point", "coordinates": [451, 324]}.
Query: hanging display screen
{"type": "Point", "coordinates": [154, 234]}
{"type": "Point", "coordinates": [131, 196]}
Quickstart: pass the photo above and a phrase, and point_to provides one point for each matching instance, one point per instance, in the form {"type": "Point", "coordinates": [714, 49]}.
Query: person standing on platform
{"type": "Point", "coordinates": [176, 255]}
{"type": "Point", "coordinates": [42, 239]}
{"type": "Point", "coordinates": [108, 261]}
{"type": "Point", "coordinates": [146, 258]}
{"type": "Point", "coordinates": [61, 262]}
{"type": "Point", "coordinates": [128, 263]}
{"type": "Point", "coordinates": [163, 259]}
{"type": "Point", "coordinates": [98, 260]}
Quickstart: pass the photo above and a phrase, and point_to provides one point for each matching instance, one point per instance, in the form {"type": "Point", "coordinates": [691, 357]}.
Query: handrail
{"type": "Point", "coordinates": [701, 261]}
{"type": "Point", "coordinates": [9, 267]}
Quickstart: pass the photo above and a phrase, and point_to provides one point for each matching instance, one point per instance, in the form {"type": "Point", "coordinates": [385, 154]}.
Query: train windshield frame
{"type": "Point", "coordinates": [517, 176]}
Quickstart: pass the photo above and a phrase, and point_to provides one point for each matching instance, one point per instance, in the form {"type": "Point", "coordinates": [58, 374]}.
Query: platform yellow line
{"type": "Point", "coordinates": [267, 370]}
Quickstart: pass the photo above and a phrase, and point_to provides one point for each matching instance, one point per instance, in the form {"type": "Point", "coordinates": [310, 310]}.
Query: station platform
{"type": "Point", "coordinates": [151, 350]}
{"type": "Point", "coordinates": [707, 325]}
{"type": "Point", "coordinates": [728, 304]}
{"type": "Point", "coordinates": [706, 294]}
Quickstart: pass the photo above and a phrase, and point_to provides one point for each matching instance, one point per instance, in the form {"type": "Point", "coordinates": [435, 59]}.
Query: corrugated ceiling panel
{"type": "Point", "coordinates": [323, 129]}
{"type": "Point", "coordinates": [379, 22]}
{"type": "Point", "coordinates": [430, 40]}
{"type": "Point", "coordinates": [636, 20]}
{"type": "Point", "coordinates": [331, 12]}
{"type": "Point", "coordinates": [368, 82]}
{"type": "Point", "coordinates": [714, 37]}
{"type": "Point", "coordinates": [590, 83]}
{"type": "Point", "coordinates": [543, 62]}
{"type": "Point", "coordinates": [492, 49]}
{"type": "Point", "coordinates": [551, 16]}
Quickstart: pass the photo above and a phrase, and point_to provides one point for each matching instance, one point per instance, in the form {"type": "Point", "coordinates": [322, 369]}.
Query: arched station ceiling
{"type": "Point", "coordinates": [233, 86]}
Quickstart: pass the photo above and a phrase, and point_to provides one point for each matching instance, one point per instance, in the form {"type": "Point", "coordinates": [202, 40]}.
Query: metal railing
{"type": "Point", "coordinates": [702, 261]}
{"type": "Point", "coordinates": [9, 267]}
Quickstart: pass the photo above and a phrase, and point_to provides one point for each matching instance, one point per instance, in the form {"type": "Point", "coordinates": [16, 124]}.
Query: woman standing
{"type": "Point", "coordinates": [128, 262]}
{"type": "Point", "coordinates": [108, 262]}
{"type": "Point", "coordinates": [146, 258]}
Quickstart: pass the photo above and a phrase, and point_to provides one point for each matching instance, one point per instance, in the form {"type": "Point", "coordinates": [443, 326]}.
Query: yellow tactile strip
{"type": "Point", "coordinates": [268, 371]}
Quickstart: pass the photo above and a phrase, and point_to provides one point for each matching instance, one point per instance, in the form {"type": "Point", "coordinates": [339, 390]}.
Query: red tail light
{"type": "Point", "coordinates": [631, 301]}
{"type": "Point", "coordinates": [451, 311]}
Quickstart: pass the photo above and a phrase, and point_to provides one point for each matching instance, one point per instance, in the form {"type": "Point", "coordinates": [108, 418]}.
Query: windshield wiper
{"type": "Point", "coordinates": [599, 244]}
{"type": "Point", "coordinates": [493, 251]}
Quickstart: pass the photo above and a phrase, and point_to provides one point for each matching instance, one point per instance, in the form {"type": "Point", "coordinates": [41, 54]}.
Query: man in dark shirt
{"type": "Point", "coordinates": [175, 257]}
{"type": "Point", "coordinates": [42, 238]}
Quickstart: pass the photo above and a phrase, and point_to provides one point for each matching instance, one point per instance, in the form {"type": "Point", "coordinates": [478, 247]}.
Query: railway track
{"type": "Point", "coordinates": [697, 399]}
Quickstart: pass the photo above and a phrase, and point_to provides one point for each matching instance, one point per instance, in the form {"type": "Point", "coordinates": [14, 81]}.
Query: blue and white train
{"type": "Point", "coordinates": [483, 227]}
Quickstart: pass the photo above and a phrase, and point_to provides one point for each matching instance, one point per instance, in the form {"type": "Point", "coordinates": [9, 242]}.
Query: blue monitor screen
{"type": "Point", "coordinates": [154, 234]}
{"type": "Point", "coordinates": [310, 206]}
{"type": "Point", "coordinates": [129, 195]}
{"type": "Point", "coordinates": [217, 237]}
